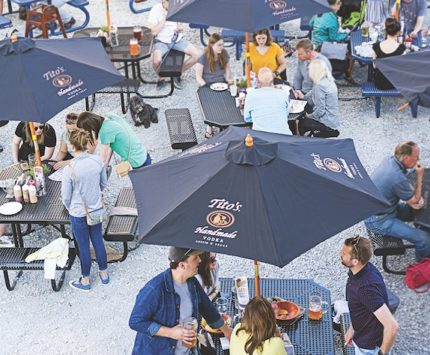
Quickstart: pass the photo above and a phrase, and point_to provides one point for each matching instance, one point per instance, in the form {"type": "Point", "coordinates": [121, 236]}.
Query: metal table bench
{"type": "Point", "coordinates": [5, 22]}
{"type": "Point", "coordinates": [14, 259]}
{"type": "Point", "coordinates": [122, 228]}
{"type": "Point", "coordinates": [132, 4]}
{"type": "Point", "coordinates": [125, 87]}
{"type": "Point", "coordinates": [307, 337]}
{"type": "Point", "coordinates": [171, 67]}
{"type": "Point", "coordinates": [369, 89]}
{"type": "Point", "coordinates": [181, 130]}
{"type": "Point", "coordinates": [386, 246]}
{"type": "Point", "coordinates": [345, 322]}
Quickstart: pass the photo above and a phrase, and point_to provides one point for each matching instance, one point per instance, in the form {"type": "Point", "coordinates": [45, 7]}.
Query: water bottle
{"type": "Point", "coordinates": [114, 41]}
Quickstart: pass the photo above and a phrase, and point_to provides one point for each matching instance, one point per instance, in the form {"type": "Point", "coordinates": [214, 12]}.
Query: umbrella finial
{"type": "Point", "coordinates": [14, 38]}
{"type": "Point", "coordinates": [249, 141]}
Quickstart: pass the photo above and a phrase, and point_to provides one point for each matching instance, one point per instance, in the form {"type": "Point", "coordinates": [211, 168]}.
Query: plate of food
{"type": "Point", "coordinates": [10, 208]}
{"type": "Point", "coordinates": [297, 106]}
{"type": "Point", "coordinates": [219, 86]}
{"type": "Point", "coordinates": [287, 311]}
{"type": "Point", "coordinates": [227, 320]}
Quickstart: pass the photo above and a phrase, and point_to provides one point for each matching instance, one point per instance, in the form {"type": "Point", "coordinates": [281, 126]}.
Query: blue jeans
{"type": "Point", "coordinates": [393, 225]}
{"type": "Point", "coordinates": [83, 233]}
{"type": "Point", "coordinates": [361, 351]}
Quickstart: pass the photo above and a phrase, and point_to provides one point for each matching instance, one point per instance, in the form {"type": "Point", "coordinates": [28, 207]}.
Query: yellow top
{"type": "Point", "coordinates": [272, 346]}
{"type": "Point", "coordinates": [269, 59]}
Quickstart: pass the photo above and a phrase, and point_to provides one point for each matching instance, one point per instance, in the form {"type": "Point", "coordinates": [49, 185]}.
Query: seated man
{"type": "Point", "coordinates": [168, 35]}
{"type": "Point", "coordinates": [166, 301]}
{"type": "Point", "coordinates": [267, 107]}
{"type": "Point", "coordinates": [67, 19]}
{"type": "Point", "coordinates": [305, 54]}
{"type": "Point", "coordinates": [390, 178]}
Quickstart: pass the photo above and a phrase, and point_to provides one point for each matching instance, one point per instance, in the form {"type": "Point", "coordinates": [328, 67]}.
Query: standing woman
{"type": "Point", "coordinates": [257, 333]}
{"type": "Point", "coordinates": [23, 145]}
{"type": "Point", "coordinates": [323, 121]}
{"type": "Point", "coordinates": [213, 66]}
{"type": "Point", "coordinates": [208, 275]}
{"type": "Point", "coordinates": [264, 52]}
{"type": "Point", "coordinates": [115, 135]}
{"type": "Point", "coordinates": [81, 191]}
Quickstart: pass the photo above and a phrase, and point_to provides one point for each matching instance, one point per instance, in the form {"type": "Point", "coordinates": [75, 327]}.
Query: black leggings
{"type": "Point", "coordinates": [316, 128]}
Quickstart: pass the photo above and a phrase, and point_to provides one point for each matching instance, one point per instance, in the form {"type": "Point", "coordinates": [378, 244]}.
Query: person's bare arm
{"type": "Point", "coordinates": [282, 63]}
{"type": "Point", "coordinates": [348, 335]}
{"type": "Point", "coordinates": [199, 74]}
{"type": "Point", "coordinates": [418, 26]}
{"type": "Point", "coordinates": [416, 198]}
{"type": "Point", "coordinates": [105, 153]}
{"type": "Point", "coordinates": [227, 72]}
{"type": "Point", "coordinates": [390, 328]}
{"type": "Point", "coordinates": [49, 151]}
{"type": "Point", "coordinates": [226, 330]}
{"type": "Point", "coordinates": [178, 333]}
{"type": "Point", "coordinates": [15, 148]}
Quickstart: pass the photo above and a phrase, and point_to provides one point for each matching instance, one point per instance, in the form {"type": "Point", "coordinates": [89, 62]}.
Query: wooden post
{"type": "Point", "coordinates": [257, 278]}
{"type": "Point", "coordinates": [108, 15]}
{"type": "Point", "coordinates": [247, 61]}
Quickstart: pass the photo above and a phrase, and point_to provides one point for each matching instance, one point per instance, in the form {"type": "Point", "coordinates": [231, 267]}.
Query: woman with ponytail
{"type": "Point", "coordinates": [83, 181]}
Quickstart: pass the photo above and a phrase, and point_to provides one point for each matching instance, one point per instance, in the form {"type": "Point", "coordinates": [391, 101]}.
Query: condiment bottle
{"type": "Point", "coordinates": [32, 194]}
{"type": "Point", "coordinates": [25, 194]}
{"type": "Point", "coordinates": [17, 193]}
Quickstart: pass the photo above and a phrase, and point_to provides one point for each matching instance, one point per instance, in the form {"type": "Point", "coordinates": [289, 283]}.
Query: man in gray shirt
{"type": "Point", "coordinates": [305, 54]}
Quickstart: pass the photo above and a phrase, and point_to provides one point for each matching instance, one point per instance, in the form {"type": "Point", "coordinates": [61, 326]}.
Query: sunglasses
{"type": "Point", "coordinates": [354, 244]}
{"type": "Point", "coordinates": [70, 121]}
{"type": "Point", "coordinates": [39, 128]}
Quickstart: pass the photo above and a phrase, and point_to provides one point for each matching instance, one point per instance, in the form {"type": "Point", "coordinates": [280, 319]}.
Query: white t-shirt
{"type": "Point", "coordinates": [156, 15]}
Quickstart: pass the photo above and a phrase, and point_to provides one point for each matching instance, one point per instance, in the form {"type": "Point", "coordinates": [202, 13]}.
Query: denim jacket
{"type": "Point", "coordinates": [157, 304]}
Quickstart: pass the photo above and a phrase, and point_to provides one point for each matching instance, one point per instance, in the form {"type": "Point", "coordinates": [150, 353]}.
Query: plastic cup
{"type": "Point", "coordinates": [137, 33]}
{"type": "Point", "coordinates": [190, 323]}
{"type": "Point", "coordinates": [134, 47]}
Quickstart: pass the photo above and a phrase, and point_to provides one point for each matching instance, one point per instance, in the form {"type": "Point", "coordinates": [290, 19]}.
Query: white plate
{"type": "Point", "coordinates": [297, 106]}
{"type": "Point", "coordinates": [283, 87]}
{"type": "Point", "coordinates": [10, 208]}
{"type": "Point", "coordinates": [219, 86]}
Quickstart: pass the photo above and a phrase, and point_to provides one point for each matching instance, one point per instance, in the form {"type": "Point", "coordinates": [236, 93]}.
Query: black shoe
{"type": "Point", "coordinates": [161, 84]}
{"type": "Point", "coordinates": [177, 83]}
{"type": "Point", "coordinates": [69, 24]}
{"type": "Point", "coordinates": [1, 148]}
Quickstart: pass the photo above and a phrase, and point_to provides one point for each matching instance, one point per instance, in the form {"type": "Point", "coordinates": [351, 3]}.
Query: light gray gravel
{"type": "Point", "coordinates": [35, 319]}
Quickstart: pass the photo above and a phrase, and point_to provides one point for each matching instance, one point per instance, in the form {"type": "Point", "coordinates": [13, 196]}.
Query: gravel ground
{"type": "Point", "coordinates": [37, 319]}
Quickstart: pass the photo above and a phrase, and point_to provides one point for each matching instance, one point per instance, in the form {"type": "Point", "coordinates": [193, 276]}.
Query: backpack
{"type": "Point", "coordinates": [418, 275]}
{"type": "Point", "coordinates": [142, 113]}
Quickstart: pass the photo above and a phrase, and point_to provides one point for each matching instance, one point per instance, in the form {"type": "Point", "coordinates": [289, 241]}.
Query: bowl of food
{"type": "Point", "coordinates": [286, 310]}
{"type": "Point", "coordinates": [227, 320]}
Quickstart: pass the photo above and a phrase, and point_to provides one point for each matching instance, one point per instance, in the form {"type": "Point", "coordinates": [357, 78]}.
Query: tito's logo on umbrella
{"type": "Point", "coordinates": [277, 5]}
{"type": "Point", "coordinates": [220, 219]}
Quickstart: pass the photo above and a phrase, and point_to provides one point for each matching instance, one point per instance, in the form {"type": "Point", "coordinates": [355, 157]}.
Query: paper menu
{"type": "Point", "coordinates": [242, 291]}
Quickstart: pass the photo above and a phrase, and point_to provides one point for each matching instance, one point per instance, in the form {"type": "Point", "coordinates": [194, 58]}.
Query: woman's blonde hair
{"type": "Point", "coordinates": [27, 134]}
{"type": "Point", "coordinates": [259, 322]}
{"type": "Point", "coordinates": [210, 54]}
{"type": "Point", "coordinates": [79, 138]}
{"type": "Point", "coordinates": [318, 70]}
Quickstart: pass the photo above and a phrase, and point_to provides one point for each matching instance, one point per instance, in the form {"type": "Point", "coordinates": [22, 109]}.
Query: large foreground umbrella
{"type": "Point", "coordinates": [243, 15]}
{"type": "Point", "coordinates": [410, 74]}
{"type": "Point", "coordinates": [269, 202]}
{"type": "Point", "coordinates": [39, 78]}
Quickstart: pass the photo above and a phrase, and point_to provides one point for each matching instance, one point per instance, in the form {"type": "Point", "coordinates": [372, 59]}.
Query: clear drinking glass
{"type": "Point", "coordinates": [190, 323]}
{"type": "Point", "coordinates": [221, 304]}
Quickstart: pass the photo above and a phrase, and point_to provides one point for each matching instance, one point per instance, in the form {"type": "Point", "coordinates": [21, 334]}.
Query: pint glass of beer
{"type": "Point", "coordinates": [365, 29]}
{"type": "Point", "coordinates": [137, 33]}
{"type": "Point", "coordinates": [317, 307]}
{"type": "Point", "coordinates": [134, 47]}
{"type": "Point", "coordinates": [190, 323]}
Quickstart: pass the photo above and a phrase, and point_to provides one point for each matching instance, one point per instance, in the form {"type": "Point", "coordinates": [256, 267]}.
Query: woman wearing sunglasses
{"type": "Point", "coordinates": [23, 145]}
{"type": "Point", "coordinates": [208, 275]}
{"type": "Point", "coordinates": [66, 152]}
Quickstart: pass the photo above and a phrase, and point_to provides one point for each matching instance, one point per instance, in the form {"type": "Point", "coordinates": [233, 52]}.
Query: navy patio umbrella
{"type": "Point", "coordinates": [410, 74]}
{"type": "Point", "coordinates": [243, 15]}
{"type": "Point", "coordinates": [270, 201]}
{"type": "Point", "coordinates": [39, 78]}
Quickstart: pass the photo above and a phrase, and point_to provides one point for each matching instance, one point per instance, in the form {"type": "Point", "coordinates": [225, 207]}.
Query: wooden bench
{"type": "Point", "coordinates": [386, 246]}
{"type": "Point", "coordinates": [5, 22]}
{"type": "Point", "coordinates": [369, 89]}
{"type": "Point", "coordinates": [181, 129]}
{"type": "Point", "coordinates": [122, 229]}
{"type": "Point", "coordinates": [171, 67]}
{"type": "Point", "coordinates": [14, 259]}
{"type": "Point", "coordinates": [125, 87]}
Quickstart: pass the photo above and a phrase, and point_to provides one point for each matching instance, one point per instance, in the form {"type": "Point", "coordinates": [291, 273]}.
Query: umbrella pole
{"type": "Point", "coordinates": [36, 145]}
{"type": "Point", "coordinates": [107, 15]}
{"type": "Point", "coordinates": [247, 61]}
{"type": "Point", "coordinates": [257, 277]}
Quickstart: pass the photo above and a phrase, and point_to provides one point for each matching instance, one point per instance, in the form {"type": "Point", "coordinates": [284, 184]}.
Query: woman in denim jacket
{"type": "Point", "coordinates": [83, 181]}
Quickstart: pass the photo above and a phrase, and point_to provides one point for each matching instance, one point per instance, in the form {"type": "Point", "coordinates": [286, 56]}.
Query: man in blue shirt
{"type": "Point", "coordinates": [267, 106]}
{"type": "Point", "coordinates": [164, 303]}
{"type": "Point", "coordinates": [412, 14]}
{"type": "Point", "coordinates": [391, 179]}
{"type": "Point", "coordinates": [373, 328]}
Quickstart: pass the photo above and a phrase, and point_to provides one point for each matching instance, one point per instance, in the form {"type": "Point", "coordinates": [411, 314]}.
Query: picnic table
{"type": "Point", "coordinates": [48, 211]}
{"type": "Point", "coordinates": [307, 337]}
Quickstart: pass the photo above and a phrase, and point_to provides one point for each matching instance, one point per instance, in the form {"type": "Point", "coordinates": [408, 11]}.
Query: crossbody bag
{"type": "Point", "coordinates": [124, 167]}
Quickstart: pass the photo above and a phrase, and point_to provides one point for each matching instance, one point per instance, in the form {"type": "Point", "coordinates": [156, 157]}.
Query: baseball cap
{"type": "Point", "coordinates": [180, 254]}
